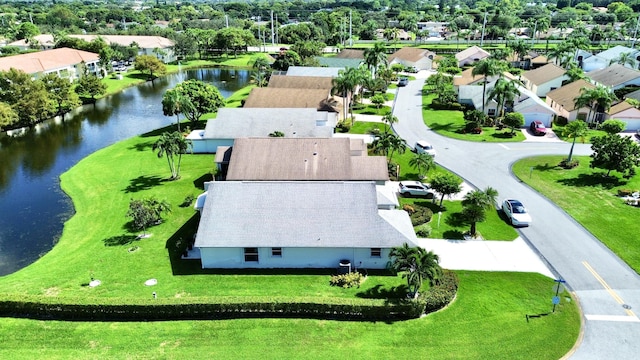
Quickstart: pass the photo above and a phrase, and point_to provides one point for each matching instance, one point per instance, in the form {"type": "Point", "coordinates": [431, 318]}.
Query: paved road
{"type": "Point", "coordinates": [608, 290]}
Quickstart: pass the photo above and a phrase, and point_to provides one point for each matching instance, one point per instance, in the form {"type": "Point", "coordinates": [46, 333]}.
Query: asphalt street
{"type": "Point", "coordinates": [607, 289]}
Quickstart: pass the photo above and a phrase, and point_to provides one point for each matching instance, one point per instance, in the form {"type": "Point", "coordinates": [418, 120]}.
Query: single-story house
{"type": "Point", "coordinates": [466, 78]}
{"type": "Point", "coordinates": [350, 54]}
{"type": "Point", "coordinates": [544, 79]}
{"type": "Point", "coordinates": [338, 62]}
{"type": "Point", "coordinates": [67, 63]}
{"type": "Point", "coordinates": [304, 159]}
{"type": "Point", "coordinates": [539, 61]}
{"type": "Point", "coordinates": [270, 97]}
{"type": "Point", "coordinates": [471, 55]}
{"type": "Point", "coordinates": [148, 45]}
{"type": "Point", "coordinates": [233, 123]}
{"type": "Point", "coordinates": [627, 113]}
{"type": "Point", "coordinates": [331, 72]}
{"type": "Point", "coordinates": [298, 224]}
{"type": "Point", "coordinates": [608, 57]}
{"type": "Point", "coordinates": [421, 59]}
{"type": "Point", "coordinates": [616, 76]}
{"type": "Point", "coordinates": [300, 82]}
{"type": "Point", "coordinates": [633, 95]}
{"type": "Point", "coordinates": [432, 28]}
{"type": "Point", "coordinates": [562, 100]}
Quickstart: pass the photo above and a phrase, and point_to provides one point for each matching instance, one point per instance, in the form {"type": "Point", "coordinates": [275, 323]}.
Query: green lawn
{"type": "Point", "coordinates": [370, 109]}
{"type": "Point", "coordinates": [590, 198]}
{"type": "Point", "coordinates": [557, 129]}
{"type": "Point", "coordinates": [450, 123]}
{"type": "Point", "coordinates": [486, 321]}
{"type": "Point", "coordinates": [235, 100]}
{"type": "Point", "coordinates": [367, 127]}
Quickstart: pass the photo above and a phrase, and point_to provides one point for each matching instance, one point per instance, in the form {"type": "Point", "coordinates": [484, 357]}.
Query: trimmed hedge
{"type": "Point", "coordinates": [439, 296]}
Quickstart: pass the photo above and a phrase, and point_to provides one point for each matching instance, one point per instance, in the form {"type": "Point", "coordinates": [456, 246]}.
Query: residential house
{"type": "Point", "coordinates": [539, 61]}
{"type": "Point", "coordinates": [626, 113]}
{"type": "Point", "coordinates": [421, 59]}
{"type": "Point", "coordinates": [269, 97]}
{"type": "Point", "coordinates": [562, 100]}
{"type": "Point", "coordinates": [233, 123]}
{"type": "Point", "coordinates": [351, 54]}
{"type": "Point", "coordinates": [67, 63]}
{"type": "Point", "coordinates": [544, 79]}
{"type": "Point", "coordinates": [313, 71]}
{"type": "Point", "coordinates": [432, 29]}
{"type": "Point", "coordinates": [633, 95]}
{"type": "Point", "coordinates": [298, 224]}
{"type": "Point", "coordinates": [610, 56]}
{"type": "Point", "coordinates": [471, 55]}
{"type": "Point", "coordinates": [300, 82]}
{"type": "Point", "coordinates": [466, 78]}
{"type": "Point", "coordinates": [338, 62]}
{"type": "Point", "coordinates": [616, 77]}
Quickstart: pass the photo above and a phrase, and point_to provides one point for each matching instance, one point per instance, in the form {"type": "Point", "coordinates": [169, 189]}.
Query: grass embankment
{"type": "Point", "coordinates": [486, 321]}
{"type": "Point", "coordinates": [451, 123]}
{"type": "Point", "coordinates": [590, 198]}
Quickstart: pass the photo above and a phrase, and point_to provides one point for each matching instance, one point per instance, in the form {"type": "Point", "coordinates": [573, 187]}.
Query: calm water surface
{"type": "Point", "coordinates": [33, 209]}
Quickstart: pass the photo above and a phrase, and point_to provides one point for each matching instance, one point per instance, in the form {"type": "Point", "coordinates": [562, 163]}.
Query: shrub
{"type": "Point", "coordinates": [345, 125]}
{"type": "Point", "coordinates": [439, 296]}
{"type": "Point", "coordinates": [561, 121]}
{"type": "Point", "coordinates": [566, 164]}
{"type": "Point", "coordinates": [423, 230]}
{"type": "Point", "coordinates": [422, 215]}
{"type": "Point", "coordinates": [188, 200]}
{"type": "Point", "coordinates": [347, 280]}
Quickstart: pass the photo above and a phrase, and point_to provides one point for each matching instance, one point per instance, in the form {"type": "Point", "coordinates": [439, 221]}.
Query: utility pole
{"type": "Point", "coordinates": [277, 39]}
{"type": "Point", "coordinates": [226, 20]}
{"type": "Point", "coordinates": [272, 39]}
{"type": "Point", "coordinates": [635, 34]}
{"type": "Point", "coordinates": [350, 30]}
{"type": "Point", "coordinates": [533, 36]}
{"type": "Point", "coordinates": [484, 24]}
{"type": "Point", "coordinates": [259, 37]}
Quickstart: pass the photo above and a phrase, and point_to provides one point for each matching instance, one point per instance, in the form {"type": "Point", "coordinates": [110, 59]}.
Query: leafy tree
{"type": "Point", "coordinates": [146, 212]}
{"type": "Point", "coordinates": [61, 91]}
{"type": "Point", "coordinates": [475, 205]}
{"type": "Point", "coordinates": [174, 103]}
{"type": "Point", "coordinates": [514, 120]}
{"type": "Point", "coordinates": [614, 152]}
{"type": "Point", "coordinates": [487, 67]}
{"type": "Point", "coordinates": [234, 39]}
{"type": "Point", "coordinates": [423, 163]}
{"type": "Point", "coordinates": [378, 100]}
{"type": "Point", "coordinates": [260, 63]}
{"type": "Point", "coordinates": [107, 55]}
{"type": "Point", "coordinates": [150, 64]}
{"type": "Point", "coordinates": [613, 126]}
{"type": "Point", "coordinates": [575, 129]}
{"type": "Point", "coordinates": [91, 85]}
{"type": "Point", "coordinates": [8, 116]}
{"type": "Point", "coordinates": [203, 97]}
{"type": "Point", "coordinates": [286, 59]}
{"type": "Point", "coordinates": [445, 184]}
{"type": "Point", "coordinates": [308, 49]}
{"type": "Point", "coordinates": [27, 30]}
{"type": "Point", "coordinates": [172, 145]}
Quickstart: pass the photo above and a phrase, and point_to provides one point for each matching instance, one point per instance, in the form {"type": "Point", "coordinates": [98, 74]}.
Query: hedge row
{"type": "Point", "coordinates": [441, 295]}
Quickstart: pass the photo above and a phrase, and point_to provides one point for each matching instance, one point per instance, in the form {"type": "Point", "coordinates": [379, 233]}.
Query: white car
{"type": "Point", "coordinates": [415, 188]}
{"type": "Point", "coordinates": [423, 147]}
{"type": "Point", "coordinates": [516, 212]}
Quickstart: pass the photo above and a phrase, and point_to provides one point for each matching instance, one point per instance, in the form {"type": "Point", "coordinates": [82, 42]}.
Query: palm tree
{"type": "Point", "coordinates": [375, 56]}
{"type": "Point", "coordinates": [560, 55]}
{"type": "Point", "coordinates": [388, 143]}
{"type": "Point", "coordinates": [487, 67]}
{"type": "Point", "coordinates": [476, 203]}
{"type": "Point", "coordinates": [519, 47]}
{"type": "Point", "coordinates": [575, 72]}
{"type": "Point", "coordinates": [423, 163]}
{"type": "Point", "coordinates": [174, 103]}
{"type": "Point", "coordinates": [428, 267]}
{"type": "Point", "coordinates": [504, 92]}
{"type": "Point", "coordinates": [416, 264]}
{"type": "Point", "coordinates": [625, 59]}
{"type": "Point", "coordinates": [575, 129]}
{"type": "Point", "coordinates": [259, 78]}
{"type": "Point", "coordinates": [599, 95]}
{"type": "Point", "coordinates": [342, 86]}
{"type": "Point", "coordinates": [389, 119]}
{"type": "Point", "coordinates": [172, 145]}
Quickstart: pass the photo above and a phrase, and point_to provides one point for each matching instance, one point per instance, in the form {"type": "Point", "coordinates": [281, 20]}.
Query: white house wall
{"type": "Point", "coordinates": [322, 258]}
{"type": "Point", "coordinates": [542, 89]}
{"type": "Point", "coordinates": [209, 146]}
{"type": "Point", "coordinates": [630, 116]}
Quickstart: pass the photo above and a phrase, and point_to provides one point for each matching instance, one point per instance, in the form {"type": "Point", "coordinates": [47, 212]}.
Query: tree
{"type": "Point", "coordinates": [172, 145]}
{"type": "Point", "coordinates": [625, 58]}
{"type": "Point", "coordinates": [613, 126]}
{"type": "Point", "coordinates": [286, 59]}
{"type": "Point", "coordinates": [308, 49]}
{"type": "Point", "coordinates": [514, 120]}
{"type": "Point", "coordinates": [60, 90]}
{"type": "Point", "coordinates": [389, 119]}
{"type": "Point", "coordinates": [590, 97]}
{"type": "Point", "coordinates": [147, 212]}
{"type": "Point", "coordinates": [260, 63]}
{"type": "Point", "coordinates": [614, 152]}
{"type": "Point", "coordinates": [475, 205]}
{"type": "Point", "coordinates": [423, 163]}
{"type": "Point", "coordinates": [276, 134]}
{"type": "Point", "coordinates": [574, 72]}
{"type": "Point", "coordinates": [90, 84]}
{"type": "Point", "coordinates": [204, 98]}
{"type": "Point", "coordinates": [504, 92]}
{"type": "Point", "coordinates": [378, 100]}
{"type": "Point", "coordinates": [415, 264]}
{"type": "Point", "coordinates": [387, 143]}
{"type": "Point", "coordinates": [174, 103]}
{"type": "Point", "coordinates": [487, 67]}
{"type": "Point", "coordinates": [8, 116]}
{"type": "Point", "coordinates": [344, 85]}
{"type": "Point", "coordinates": [27, 30]}
{"type": "Point", "coordinates": [150, 64]}
{"type": "Point", "coordinates": [445, 184]}
{"type": "Point", "coordinates": [235, 39]}
{"type": "Point", "coordinates": [575, 129]}
{"type": "Point", "coordinates": [375, 56]}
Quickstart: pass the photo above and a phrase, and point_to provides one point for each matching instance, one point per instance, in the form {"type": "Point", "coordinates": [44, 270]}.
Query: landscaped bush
{"type": "Point", "coordinates": [566, 164]}
{"type": "Point", "coordinates": [437, 105]}
{"type": "Point", "coordinates": [344, 125]}
{"type": "Point", "coordinates": [347, 280]}
{"type": "Point", "coordinates": [423, 230]}
{"type": "Point", "coordinates": [561, 121]}
{"type": "Point", "coordinates": [439, 296]}
{"type": "Point", "coordinates": [421, 215]}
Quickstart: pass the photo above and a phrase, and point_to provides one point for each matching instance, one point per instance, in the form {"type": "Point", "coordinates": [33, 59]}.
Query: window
{"type": "Point", "coordinates": [276, 252]}
{"type": "Point", "coordinates": [251, 254]}
{"type": "Point", "coordinates": [552, 88]}
{"type": "Point", "coordinates": [492, 112]}
{"type": "Point", "coordinates": [376, 252]}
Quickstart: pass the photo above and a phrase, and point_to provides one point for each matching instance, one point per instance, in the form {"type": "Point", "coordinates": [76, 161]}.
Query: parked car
{"type": "Point", "coordinates": [403, 81]}
{"type": "Point", "coordinates": [423, 147]}
{"type": "Point", "coordinates": [516, 212]}
{"type": "Point", "coordinates": [537, 128]}
{"type": "Point", "coordinates": [415, 188]}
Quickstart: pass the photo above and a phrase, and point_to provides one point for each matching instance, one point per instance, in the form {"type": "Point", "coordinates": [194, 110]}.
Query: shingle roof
{"type": "Point", "coordinates": [466, 77]}
{"type": "Point", "coordinates": [313, 71]}
{"type": "Point", "coordinates": [614, 75]}
{"type": "Point", "coordinates": [300, 82]}
{"type": "Point", "coordinates": [470, 51]}
{"type": "Point", "coordinates": [615, 52]}
{"type": "Point", "coordinates": [292, 98]}
{"type": "Point", "coordinates": [48, 60]}
{"type": "Point", "coordinates": [351, 54]}
{"type": "Point", "coordinates": [282, 159]}
{"type": "Point", "coordinates": [544, 74]}
{"type": "Point", "coordinates": [410, 54]}
{"type": "Point", "coordinates": [337, 62]}
{"type": "Point", "coordinates": [232, 123]}
{"type": "Point", "coordinates": [146, 42]}
{"type": "Point", "coordinates": [633, 95]}
{"type": "Point", "coordinates": [619, 107]}
{"type": "Point", "coordinates": [565, 96]}
{"type": "Point", "coordinates": [299, 214]}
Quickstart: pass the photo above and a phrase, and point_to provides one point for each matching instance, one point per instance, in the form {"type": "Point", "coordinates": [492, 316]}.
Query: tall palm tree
{"type": "Point", "coordinates": [172, 145]}
{"type": "Point", "coordinates": [504, 92]}
{"type": "Point", "coordinates": [560, 55]}
{"type": "Point", "coordinates": [575, 72]}
{"type": "Point", "coordinates": [625, 59]}
{"type": "Point", "coordinates": [487, 67]}
{"type": "Point", "coordinates": [375, 56]}
{"type": "Point", "coordinates": [343, 86]}
{"type": "Point", "coordinates": [387, 144]}
{"type": "Point", "coordinates": [520, 48]}
{"type": "Point", "coordinates": [175, 103]}
{"type": "Point", "coordinates": [389, 119]}
{"type": "Point", "coordinates": [476, 203]}
{"type": "Point", "coordinates": [575, 129]}
{"type": "Point", "coordinates": [423, 163]}
{"type": "Point", "coordinates": [600, 96]}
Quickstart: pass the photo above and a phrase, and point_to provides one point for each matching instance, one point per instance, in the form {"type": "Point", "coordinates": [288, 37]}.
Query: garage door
{"type": "Point", "coordinates": [633, 124]}
{"type": "Point", "coordinates": [530, 117]}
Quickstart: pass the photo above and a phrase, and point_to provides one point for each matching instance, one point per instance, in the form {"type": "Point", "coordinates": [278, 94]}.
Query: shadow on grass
{"type": "Point", "coordinates": [504, 135]}
{"type": "Point", "coordinates": [143, 183]}
{"type": "Point", "coordinates": [546, 167]}
{"type": "Point", "coordinates": [120, 240]}
{"type": "Point", "coordinates": [453, 235]}
{"type": "Point", "coordinates": [456, 220]}
{"type": "Point", "coordinates": [380, 292]}
{"type": "Point", "coordinates": [450, 127]}
{"type": "Point", "coordinates": [199, 182]}
{"type": "Point", "coordinates": [143, 146]}
{"type": "Point", "coordinates": [594, 180]}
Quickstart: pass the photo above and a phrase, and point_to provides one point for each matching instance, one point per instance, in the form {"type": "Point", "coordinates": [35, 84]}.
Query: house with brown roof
{"type": "Point", "coordinates": [67, 63]}
{"type": "Point", "coordinates": [562, 100]}
{"type": "Point", "coordinates": [616, 76]}
{"type": "Point", "coordinates": [351, 54]}
{"type": "Point", "coordinates": [421, 59]}
{"type": "Point", "coordinates": [626, 113]}
{"type": "Point", "coordinates": [471, 55]}
{"type": "Point", "coordinates": [269, 97]}
{"type": "Point", "coordinates": [304, 159]}
{"type": "Point", "coordinates": [544, 79]}
{"type": "Point", "coordinates": [300, 82]}
{"type": "Point", "coordinates": [466, 78]}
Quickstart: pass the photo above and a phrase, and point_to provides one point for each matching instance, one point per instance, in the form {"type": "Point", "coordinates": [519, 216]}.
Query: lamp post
{"type": "Point", "coordinates": [556, 298]}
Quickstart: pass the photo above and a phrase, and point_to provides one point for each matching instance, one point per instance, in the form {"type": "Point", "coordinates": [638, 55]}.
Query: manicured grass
{"type": "Point", "coordinates": [451, 123]}
{"type": "Point", "coordinates": [235, 100]}
{"type": "Point", "coordinates": [591, 198]}
{"type": "Point", "coordinates": [557, 129]}
{"type": "Point", "coordinates": [452, 226]}
{"type": "Point", "coordinates": [486, 321]}
{"type": "Point", "coordinates": [370, 109]}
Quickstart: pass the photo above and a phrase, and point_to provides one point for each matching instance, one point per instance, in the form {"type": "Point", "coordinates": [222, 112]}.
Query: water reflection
{"type": "Point", "coordinates": [32, 206]}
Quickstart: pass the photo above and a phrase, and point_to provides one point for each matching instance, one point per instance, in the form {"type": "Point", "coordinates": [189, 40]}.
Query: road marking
{"type": "Point", "coordinates": [620, 318]}
{"type": "Point", "coordinates": [504, 146]}
{"type": "Point", "coordinates": [606, 286]}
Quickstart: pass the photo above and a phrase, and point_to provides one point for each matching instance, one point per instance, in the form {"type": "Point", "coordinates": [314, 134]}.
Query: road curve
{"type": "Point", "coordinates": [607, 288]}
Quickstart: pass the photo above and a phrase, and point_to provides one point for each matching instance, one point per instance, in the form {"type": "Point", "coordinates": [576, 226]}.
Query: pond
{"type": "Point", "coordinates": [33, 208]}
